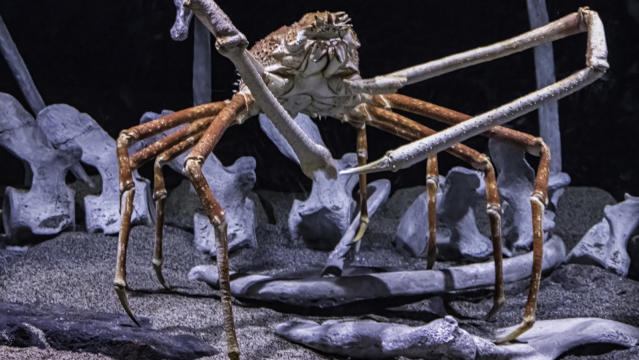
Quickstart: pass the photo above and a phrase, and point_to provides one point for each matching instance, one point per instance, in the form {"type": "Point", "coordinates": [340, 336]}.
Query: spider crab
{"type": "Point", "coordinates": [311, 67]}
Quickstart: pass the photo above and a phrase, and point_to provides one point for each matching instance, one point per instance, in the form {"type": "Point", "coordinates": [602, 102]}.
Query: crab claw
{"type": "Point", "coordinates": [384, 163]}
{"type": "Point", "coordinates": [121, 291]}
{"type": "Point", "coordinates": [363, 224]}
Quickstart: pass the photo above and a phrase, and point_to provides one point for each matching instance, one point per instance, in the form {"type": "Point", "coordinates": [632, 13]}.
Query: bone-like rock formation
{"type": "Point", "coordinates": [375, 289]}
{"type": "Point", "coordinates": [457, 232]}
{"type": "Point", "coordinates": [610, 242]}
{"type": "Point", "coordinates": [378, 192]}
{"type": "Point", "coordinates": [69, 329]}
{"type": "Point", "coordinates": [515, 180]}
{"type": "Point", "coordinates": [443, 338]}
{"type": "Point", "coordinates": [322, 218]}
{"type": "Point", "coordinates": [47, 207]}
{"type": "Point", "coordinates": [231, 186]}
{"type": "Point", "coordinates": [66, 127]}
{"type": "Point", "coordinates": [19, 69]}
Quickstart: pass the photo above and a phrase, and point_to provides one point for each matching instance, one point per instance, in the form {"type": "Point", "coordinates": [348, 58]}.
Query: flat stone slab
{"type": "Point", "coordinates": [380, 290]}
{"type": "Point", "coordinates": [69, 329]}
{"type": "Point", "coordinates": [443, 338]}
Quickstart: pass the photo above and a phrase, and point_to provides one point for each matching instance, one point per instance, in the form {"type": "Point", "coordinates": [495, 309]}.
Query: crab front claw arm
{"type": "Point", "coordinates": [596, 66]}
{"type": "Point", "coordinates": [231, 43]}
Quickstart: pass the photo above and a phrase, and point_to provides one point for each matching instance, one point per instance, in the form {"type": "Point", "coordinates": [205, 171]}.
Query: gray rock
{"type": "Point", "coordinates": [321, 220]}
{"type": "Point", "coordinates": [69, 329]}
{"type": "Point", "coordinates": [305, 122]}
{"type": "Point", "coordinates": [377, 193]}
{"type": "Point", "coordinates": [66, 128]}
{"type": "Point", "coordinates": [181, 205]}
{"type": "Point", "coordinates": [367, 339]}
{"type": "Point", "coordinates": [377, 289]}
{"type": "Point", "coordinates": [27, 86]}
{"type": "Point", "coordinates": [633, 251]}
{"type": "Point", "coordinates": [460, 193]}
{"type": "Point", "coordinates": [443, 338]}
{"type": "Point", "coordinates": [607, 243]}
{"type": "Point", "coordinates": [47, 207]}
{"type": "Point", "coordinates": [231, 185]}
{"type": "Point", "coordinates": [515, 179]}
{"type": "Point", "coordinates": [557, 185]}
{"type": "Point", "coordinates": [579, 209]}
{"type": "Point", "coordinates": [457, 232]}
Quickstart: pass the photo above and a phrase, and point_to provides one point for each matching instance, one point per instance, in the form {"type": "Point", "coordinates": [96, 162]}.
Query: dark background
{"type": "Point", "coordinates": [115, 60]}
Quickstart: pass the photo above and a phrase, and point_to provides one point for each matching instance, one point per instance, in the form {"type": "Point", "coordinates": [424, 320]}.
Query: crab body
{"type": "Point", "coordinates": [305, 64]}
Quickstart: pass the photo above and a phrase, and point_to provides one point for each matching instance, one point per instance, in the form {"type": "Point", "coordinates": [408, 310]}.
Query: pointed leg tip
{"type": "Point", "coordinates": [234, 355]}
{"type": "Point", "coordinates": [494, 310]}
{"type": "Point", "coordinates": [160, 276]}
{"type": "Point", "coordinates": [360, 232]}
{"type": "Point", "coordinates": [430, 263]}
{"type": "Point", "coordinates": [120, 290]}
{"type": "Point", "coordinates": [513, 335]}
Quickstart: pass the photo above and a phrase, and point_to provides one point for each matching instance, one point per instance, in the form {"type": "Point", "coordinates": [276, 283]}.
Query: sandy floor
{"type": "Point", "coordinates": [76, 269]}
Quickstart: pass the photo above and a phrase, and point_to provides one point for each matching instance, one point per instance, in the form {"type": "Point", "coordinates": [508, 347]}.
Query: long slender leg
{"type": "Point", "coordinates": [362, 156]}
{"type": "Point", "coordinates": [582, 20]}
{"type": "Point", "coordinates": [432, 182]}
{"type": "Point", "coordinates": [151, 151]}
{"type": "Point", "coordinates": [538, 201]}
{"type": "Point", "coordinates": [403, 127]}
{"type": "Point", "coordinates": [193, 168]}
{"type": "Point", "coordinates": [533, 145]}
{"type": "Point", "coordinates": [493, 209]}
{"type": "Point", "coordinates": [126, 210]}
{"type": "Point", "coordinates": [127, 190]}
{"type": "Point", "coordinates": [159, 195]}
{"type": "Point", "coordinates": [596, 66]}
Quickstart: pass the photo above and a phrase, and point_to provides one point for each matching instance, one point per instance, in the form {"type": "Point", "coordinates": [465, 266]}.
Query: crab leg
{"type": "Point", "coordinates": [362, 156]}
{"type": "Point", "coordinates": [231, 43]}
{"type": "Point", "coordinates": [408, 129]}
{"type": "Point", "coordinates": [193, 168]}
{"type": "Point", "coordinates": [146, 154]}
{"type": "Point", "coordinates": [539, 197]}
{"type": "Point", "coordinates": [596, 66]}
{"type": "Point", "coordinates": [582, 20]}
{"type": "Point", "coordinates": [432, 183]}
{"type": "Point", "coordinates": [127, 190]}
{"type": "Point", "coordinates": [170, 142]}
{"type": "Point", "coordinates": [159, 195]}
